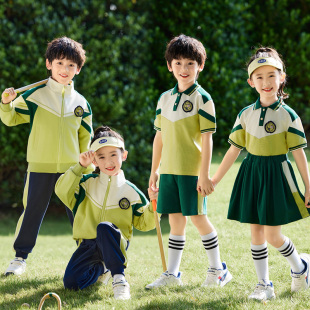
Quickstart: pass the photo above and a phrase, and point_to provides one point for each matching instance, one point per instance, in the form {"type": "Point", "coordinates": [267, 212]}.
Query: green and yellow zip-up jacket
{"type": "Point", "coordinates": [60, 125]}
{"type": "Point", "coordinates": [100, 198]}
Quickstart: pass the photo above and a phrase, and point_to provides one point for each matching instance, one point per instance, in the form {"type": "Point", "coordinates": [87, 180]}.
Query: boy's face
{"type": "Point", "coordinates": [109, 159]}
{"type": "Point", "coordinates": [185, 71]}
{"type": "Point", "coordinates": [63, 70]}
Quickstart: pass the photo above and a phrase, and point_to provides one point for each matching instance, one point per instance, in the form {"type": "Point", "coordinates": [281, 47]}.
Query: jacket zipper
{"type": "Point", "coordinates": [61, 126]}
{"type": "Point", "coordinates": [105, 200]}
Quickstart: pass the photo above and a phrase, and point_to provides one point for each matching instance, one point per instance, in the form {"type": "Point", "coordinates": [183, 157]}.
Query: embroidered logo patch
{"type": "Point", "coordinates": [103, 141]}
{"type": "Point", "coordinates": [187, 106]}
{"type": "Point", "coordinates": [124, 203]}
{"type": "Point", "coordinates": [270, 127]}
{"type": "Point", "coordinates": [78, 111]}
{"type": "Point", "coordinates": [261, 61]}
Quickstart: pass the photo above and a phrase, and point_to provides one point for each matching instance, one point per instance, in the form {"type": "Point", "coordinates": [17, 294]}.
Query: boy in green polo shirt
{"type": "Point", "coordinates": [185, 122]}
{"type": "Point", "coordinates": [60, 122]}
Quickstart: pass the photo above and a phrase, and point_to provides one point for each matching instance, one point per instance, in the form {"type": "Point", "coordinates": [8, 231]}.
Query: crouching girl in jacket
{"type": "Point", "coordinates": [106, 207]}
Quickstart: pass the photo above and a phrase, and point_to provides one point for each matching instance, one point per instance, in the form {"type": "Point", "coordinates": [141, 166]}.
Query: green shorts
{"type": "Point", "coordinates": [178, 194]}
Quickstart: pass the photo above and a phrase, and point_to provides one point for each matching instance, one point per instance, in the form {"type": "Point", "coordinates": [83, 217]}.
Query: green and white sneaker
{"type": "Point", "coordinates": [165, 279]}
{"type": "Point", "coordinates": [217, 277]}
{"type": "Point", "coordinates": [300, 281]}
{"type": "Point", "coordinates": [263, 291]}
{"type": "Point", "coordinates": [17, 267]}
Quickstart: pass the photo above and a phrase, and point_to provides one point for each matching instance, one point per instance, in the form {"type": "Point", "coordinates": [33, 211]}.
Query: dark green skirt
{"type": "Point", "coordinates": [266, 192]}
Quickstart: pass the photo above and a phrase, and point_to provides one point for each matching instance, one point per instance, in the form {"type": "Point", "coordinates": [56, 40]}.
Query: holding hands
{"type": "Point", "coordinates": [8, 95]}
{"type": "Point", "coordinates": [205, 186]}
{"type": "Point", "coordinates": [87, 158]}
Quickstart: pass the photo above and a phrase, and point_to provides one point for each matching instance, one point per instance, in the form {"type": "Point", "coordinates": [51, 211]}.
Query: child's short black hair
{"type": "Point", "coordinates": [183, 46]}
{"type": "Point", "coordinates": [65, 47]}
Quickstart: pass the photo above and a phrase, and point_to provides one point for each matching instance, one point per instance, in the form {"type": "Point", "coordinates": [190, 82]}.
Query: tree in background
{"type": "Point", "coordinates": [125, 72]}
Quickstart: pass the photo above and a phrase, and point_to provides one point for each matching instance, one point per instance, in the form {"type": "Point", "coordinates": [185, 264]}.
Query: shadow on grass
{"type": "Point", "coordinates": [37, 288]}
{"type": "Point", "coordinates": [185, 302]}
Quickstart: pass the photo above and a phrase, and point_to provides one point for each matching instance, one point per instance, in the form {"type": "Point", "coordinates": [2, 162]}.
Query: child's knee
{"type": "Point", "coordinates": [70, 281]}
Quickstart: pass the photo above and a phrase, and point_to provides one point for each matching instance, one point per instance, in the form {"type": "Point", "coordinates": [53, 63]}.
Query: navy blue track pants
{"type": "Point", "coordinates": [86, 263]}
{"type": "Point", "coordinates": [38, 189]}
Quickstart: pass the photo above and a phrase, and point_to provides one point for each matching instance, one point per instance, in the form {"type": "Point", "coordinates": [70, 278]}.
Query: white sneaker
{"type": "Point", "coordinates": [121, 289]}
{"type": "Point", "coordinates": [165, 279]}
{"type": "Point", "coordinates": [105, 277]}
{"type": "Point", "coordinates": [300, 281]}
{"type": "Point", "coordinates": [217, 277]}
{"type": "Point", "coordinates": [17, 266]}
{"type": "Point", "coordinates": [263, 291]}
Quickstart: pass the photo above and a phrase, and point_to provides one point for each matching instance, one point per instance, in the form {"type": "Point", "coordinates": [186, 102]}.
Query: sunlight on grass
{"type": "Point", "coordinates": [46, 265]}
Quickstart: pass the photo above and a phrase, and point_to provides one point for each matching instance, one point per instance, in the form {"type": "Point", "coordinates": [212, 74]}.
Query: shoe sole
{"type": "Point", "coordinates": [155, 287]}
{"type": "Point", "coordinates": [264, 299]}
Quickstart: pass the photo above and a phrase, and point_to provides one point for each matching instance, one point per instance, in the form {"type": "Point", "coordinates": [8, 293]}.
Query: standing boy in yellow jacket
{"type": "Point", "coordinates": [60, 129]}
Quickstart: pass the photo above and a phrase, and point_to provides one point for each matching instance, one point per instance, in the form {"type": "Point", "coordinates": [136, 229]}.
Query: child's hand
{"type": "Point", "coordinates": [86, 158]}
{"type": "Point", "coordinates": [205, 186]}
{"type": "Point", "coordinates": [214, 182]}
{"type": "Point", "coordinates": [8, 95]}
{"type": "Point", "coordinates": [153, 181]}
{"type": "Point", "coordinates": [152, 194]}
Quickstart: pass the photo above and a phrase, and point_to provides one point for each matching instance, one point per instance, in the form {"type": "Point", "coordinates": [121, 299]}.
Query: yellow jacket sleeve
{"type": "Point", "coordinates": [15, 112]}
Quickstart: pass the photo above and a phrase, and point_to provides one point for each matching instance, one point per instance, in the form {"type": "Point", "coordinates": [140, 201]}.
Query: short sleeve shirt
{"type": "Point", "coordinates": [268, 131]}
{"type": "Point", "coordinates": [182, 118]}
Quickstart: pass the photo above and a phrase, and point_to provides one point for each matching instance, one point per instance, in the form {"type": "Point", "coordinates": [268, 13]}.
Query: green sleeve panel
{"type": "Point", "coordinates": [143, 215]}
{"type": "Point", "coordinates": [67, 186]}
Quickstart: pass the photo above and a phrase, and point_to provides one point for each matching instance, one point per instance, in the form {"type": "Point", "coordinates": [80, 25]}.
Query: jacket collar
{"type": "Point", "coordinates": [116, 180]}
{"type": "Point", "coordinates": [59, 88]}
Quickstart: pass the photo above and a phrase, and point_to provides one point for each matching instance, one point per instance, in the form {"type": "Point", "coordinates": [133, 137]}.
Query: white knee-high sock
{"type": "Point", "coordinates": [211, 245]}
{"type": "Point", "coordinates": [290, 253]}
{"type": "Point", "coordinates": [175, 251]}
{"type": "Point", "coordinates": [260, 258]}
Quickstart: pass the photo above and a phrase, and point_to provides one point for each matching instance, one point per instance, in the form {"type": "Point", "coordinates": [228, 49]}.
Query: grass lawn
{"type": "Point", "coordinates": [46, 265]}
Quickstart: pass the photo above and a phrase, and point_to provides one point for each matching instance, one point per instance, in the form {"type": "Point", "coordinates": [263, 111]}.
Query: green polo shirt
{"type": "Point", "coordinates": [268, 131]}
{"type": "Point", "coordinates": [182, 118]}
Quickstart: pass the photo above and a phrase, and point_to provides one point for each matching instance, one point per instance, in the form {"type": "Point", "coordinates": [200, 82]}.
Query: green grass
{"type": "Point", "coordinates": [46, 265]}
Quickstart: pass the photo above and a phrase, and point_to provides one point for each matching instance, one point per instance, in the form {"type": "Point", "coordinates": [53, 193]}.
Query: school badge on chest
{"type": "Point", "coordinates": [78, 111]}
{"type": "Point", "coordinates": [270, 127]}
{"type": "Point", "coordinates": [187, 106]}
{"type": "Point", "coordinates": [124, 203]}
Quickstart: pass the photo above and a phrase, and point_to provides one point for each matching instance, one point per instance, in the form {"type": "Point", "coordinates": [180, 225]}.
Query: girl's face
{"type": "Point", "coordinates": [63, 70]}
{"type": "Point", "coordinates": [267, 80]}
{"type": "Point", "coordinates": [185, 71]}
{"type": "Point", "coordinates": [109, 159]}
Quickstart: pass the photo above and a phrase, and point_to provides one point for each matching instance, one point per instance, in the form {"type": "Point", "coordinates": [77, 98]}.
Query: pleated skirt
{"type": "Point", "coordinates": [266, 192]}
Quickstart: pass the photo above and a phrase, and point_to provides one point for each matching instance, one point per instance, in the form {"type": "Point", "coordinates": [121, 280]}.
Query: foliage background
{"type": "Point", "coordinates": [126, 72]}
